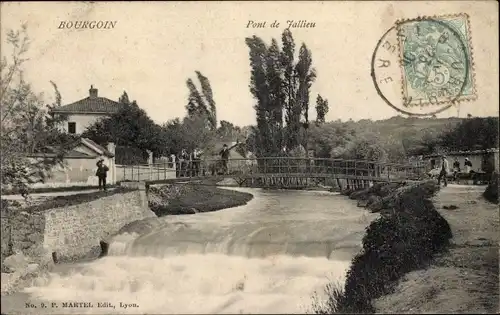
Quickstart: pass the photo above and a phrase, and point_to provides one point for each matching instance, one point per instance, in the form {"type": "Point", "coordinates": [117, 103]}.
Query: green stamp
{"type": "Point", "coordinates": [436, 60]}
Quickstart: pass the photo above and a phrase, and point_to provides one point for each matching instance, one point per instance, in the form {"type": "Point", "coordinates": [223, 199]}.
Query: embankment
{"type": "Point", "coordinates": [404, 238]}
{"type": "Point", "coordinates": [67, 228]}
{"type": "Point", "coordinates": [190, 199]}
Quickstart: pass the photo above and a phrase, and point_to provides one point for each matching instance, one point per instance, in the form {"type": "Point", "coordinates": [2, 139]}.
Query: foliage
{"type": "Point", "coordinates": [321, 109]}
{"type": "Point", "coordinates": [491, 192]}
{"type": "Point", "coordinates": [130, 156]}
{"type": "Point", "coordinates": [130, 127]}
{"type": "Point", "coordinates": [472, 134]}
{"type": "Point", "coordinates": [183, 199]}
{"type": "Point", "coordinates": [26, 126]}
{"type": "Point", "coordinates": [280, 86]}
{"type": "Point", "coordinates": [202, 104]}
{"type": "Point", "coordinates": [394, 244]}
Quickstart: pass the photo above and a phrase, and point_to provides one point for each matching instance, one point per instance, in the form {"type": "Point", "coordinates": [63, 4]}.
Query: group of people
{"type": "Point", "coordinates": [189, 163]}
{"type": "Point", "coordinates": [456, 169]}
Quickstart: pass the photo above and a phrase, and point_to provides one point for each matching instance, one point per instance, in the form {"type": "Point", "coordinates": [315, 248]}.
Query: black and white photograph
{"type": "Point", "coordinates": [249, 157]}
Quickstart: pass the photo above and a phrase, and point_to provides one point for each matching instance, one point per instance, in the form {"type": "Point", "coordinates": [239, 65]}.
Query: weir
{"type": "Point", "coordinates": [268, 256]}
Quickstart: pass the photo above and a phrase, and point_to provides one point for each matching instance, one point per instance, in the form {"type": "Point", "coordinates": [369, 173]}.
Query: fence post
{"type": "Point", "coordinates": [150, 164]}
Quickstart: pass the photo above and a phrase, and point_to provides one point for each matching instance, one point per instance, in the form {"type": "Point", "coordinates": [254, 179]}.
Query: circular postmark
{"type": "Point", "coordinates": [421, 67]}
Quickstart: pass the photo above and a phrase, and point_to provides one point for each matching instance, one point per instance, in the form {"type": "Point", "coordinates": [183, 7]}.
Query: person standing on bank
{"type": "Point", "coordinates": [101, 173]}
{"type": "Point", "coordinates": [468, 165]}
{"type": "Point", "coordinates": [444, 171]}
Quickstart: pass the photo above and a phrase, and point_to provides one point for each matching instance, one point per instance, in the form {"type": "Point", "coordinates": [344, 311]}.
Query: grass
{"type": "Point", "coordinates": [53, 189]}
{"type": "Point", "coordinates": [70, 200]}
{"type": "Point", "coordinates": [188, 199]}
{"type": "Point", "coordinates": [404, 240]}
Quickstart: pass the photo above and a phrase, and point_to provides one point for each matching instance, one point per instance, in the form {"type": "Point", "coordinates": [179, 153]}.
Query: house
{"type": "Point", "coordinates": [79, 163]}
{"type": "Point", "coordinates": [85, 112]}
{"type": "Point", "coordinates": [481, 159]}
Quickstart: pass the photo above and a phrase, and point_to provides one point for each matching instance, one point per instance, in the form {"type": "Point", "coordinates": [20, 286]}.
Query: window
{"type": "Point", "coordinates": [72, 127]}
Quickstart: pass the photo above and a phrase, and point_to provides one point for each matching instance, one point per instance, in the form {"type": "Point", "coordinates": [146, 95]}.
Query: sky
{"type": "Point", "coordinates": [156, 46]}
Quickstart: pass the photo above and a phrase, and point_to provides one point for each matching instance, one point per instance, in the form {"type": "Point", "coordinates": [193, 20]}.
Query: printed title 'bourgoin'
{"type": "Point", "coordinates": [78, 25]}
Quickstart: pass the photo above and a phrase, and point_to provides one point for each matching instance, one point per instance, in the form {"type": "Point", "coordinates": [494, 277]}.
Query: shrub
{"type": "Point", "coordinates": [393, 245]}
{"type": "Point", "coordinates": [491, 192]}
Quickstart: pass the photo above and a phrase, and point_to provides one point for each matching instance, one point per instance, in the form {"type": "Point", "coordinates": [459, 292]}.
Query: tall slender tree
{"type": "Point", "coordinates": [201, 104]}
{"type": "Point", "coordinates": [292, 116]}
{"type": "Point", "coordinates": [276, 96]}
{"type": "Point", "coordinates": [306, 76]}
{"type": "Point", "coordinates": [260, 91]}
{"type": "Point", "coordinates": [206, 89]}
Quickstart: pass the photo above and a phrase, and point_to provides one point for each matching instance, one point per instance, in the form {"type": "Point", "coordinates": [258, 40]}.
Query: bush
{"type": "Point", "coordinates": [70, 200]}
{"type": "Point", "coordinates": [491, 192]}
{"type": "Point", "coordinates": [393, 245]}
{"type": "Point", "coordinates": [189, 199]}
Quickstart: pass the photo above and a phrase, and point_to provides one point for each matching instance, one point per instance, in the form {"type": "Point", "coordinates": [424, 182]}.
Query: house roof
{"type": "Point", "coordinates": [73, 153]}
{"type": "Point", "coordinates": [459, 153]}
{"type": "Point", "coordinates": [91, 105]}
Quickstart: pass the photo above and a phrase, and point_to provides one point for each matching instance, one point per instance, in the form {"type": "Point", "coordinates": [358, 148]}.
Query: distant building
{"type": "Point", "coordinates": [481, 159]}
{"type": "Point", "coordinates": [85, 112]}
{"type": "Point", "coordinates": [79, 162]}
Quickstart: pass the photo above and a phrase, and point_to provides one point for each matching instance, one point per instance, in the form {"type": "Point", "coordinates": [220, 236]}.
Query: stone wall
{"type": "Point", "coordinates": [72, 232]}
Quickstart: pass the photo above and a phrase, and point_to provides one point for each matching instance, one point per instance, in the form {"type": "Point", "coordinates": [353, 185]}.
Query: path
{"type": "Point", "coordinates": [464, 279]}
{"type": "Point", "coordinates": [51, 194]}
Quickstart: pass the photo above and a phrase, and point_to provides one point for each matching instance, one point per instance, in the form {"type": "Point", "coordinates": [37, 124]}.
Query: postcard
{"type": "Point", "coordinates": [207, 157]}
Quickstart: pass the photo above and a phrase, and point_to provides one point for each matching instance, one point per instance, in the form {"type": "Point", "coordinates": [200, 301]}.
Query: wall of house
{"type": "Point", "coordinates": [74, 231]}
{"type": "Point", "coordinates": [82, 121]}
{"type": "Point", "coordinates": [476, 160]}
{"type": "Point", "coordinates": [79, 170]}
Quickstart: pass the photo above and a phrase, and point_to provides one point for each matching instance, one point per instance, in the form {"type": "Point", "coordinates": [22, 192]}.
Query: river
{"type": "Point", "coordinates": [269, 256]}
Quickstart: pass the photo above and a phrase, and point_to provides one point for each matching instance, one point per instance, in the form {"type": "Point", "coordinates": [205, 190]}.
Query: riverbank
{"type": "Point", "coordinates": [190, 199]}
{"type": "Point", "coordinates": [464, 279]}
{"type": "Point", "coordinates": [406, 237]}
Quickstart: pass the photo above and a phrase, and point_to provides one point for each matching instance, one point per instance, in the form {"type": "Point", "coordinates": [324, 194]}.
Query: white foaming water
{"type": "Point", "coordinates": [192, 284]}
{"type": "Point", "coordinates": [269, 256]}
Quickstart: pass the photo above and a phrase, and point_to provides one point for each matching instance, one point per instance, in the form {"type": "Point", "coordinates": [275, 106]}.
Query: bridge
{"type": "Point", "coordinates": [276, 172]}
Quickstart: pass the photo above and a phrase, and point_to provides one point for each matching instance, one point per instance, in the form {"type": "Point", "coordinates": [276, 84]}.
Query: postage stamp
{"type": "Point", "coordinates": [436, 61]}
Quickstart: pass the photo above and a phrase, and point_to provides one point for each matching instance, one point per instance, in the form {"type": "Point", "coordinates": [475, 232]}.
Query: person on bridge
{"type": "Point", "coordinates": [101, 173]}
{"type": "Point", "coordinates": [444, 171]}
{"type": "Point", "coordinates": [183, 163]}
{"type": "Point", "coordinates": [224, 154]}
{"type": "Point", "coordinates": [195, 160]}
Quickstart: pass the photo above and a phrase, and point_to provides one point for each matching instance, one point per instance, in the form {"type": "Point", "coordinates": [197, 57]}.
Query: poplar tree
{"type": "Point", "coordinates": [260, 91]}
{"type": "Point", "coordinates": [306, 76]}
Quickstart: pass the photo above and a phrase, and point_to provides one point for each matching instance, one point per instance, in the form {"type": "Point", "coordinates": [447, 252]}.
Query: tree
{"type": "Point", "coordinates": [321, 109]}
{"type": "Point", "coordinates": [260, 91]}
{"type": "Point", "coordinates": [206, 89]}
{"type": "Point", "coordinates": [290, 87]}
{"type": "Point", "coordinates": [276, 95]}
{"type": "Point", "coordinates": [124, 98]}
{"type": "Point", "coordinates": [306, 76]}
{"type": "Point", "coordinates": [130, 126]}
{"type": "Point", "coordinates": [26, 126]}
{"type": "Point", "coordinates": [202, 105]}
{"type": "Point", "coordinates": [476, 133]}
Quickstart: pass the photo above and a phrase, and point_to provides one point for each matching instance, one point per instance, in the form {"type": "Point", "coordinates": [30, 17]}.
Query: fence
{"type": "Point", "coordinates": [275, 166]}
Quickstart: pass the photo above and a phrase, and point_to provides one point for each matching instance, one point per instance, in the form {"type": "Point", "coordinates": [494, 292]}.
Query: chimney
{"type": "Point", "coordinates": [92, 92]}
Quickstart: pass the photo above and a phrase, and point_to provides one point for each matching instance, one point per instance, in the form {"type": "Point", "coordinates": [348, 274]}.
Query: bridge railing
{"type": "Point", "coordinates": [286, 166]}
